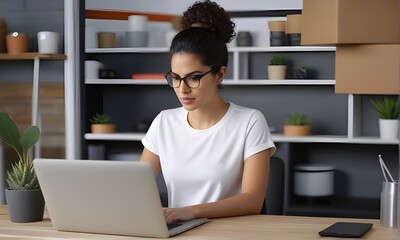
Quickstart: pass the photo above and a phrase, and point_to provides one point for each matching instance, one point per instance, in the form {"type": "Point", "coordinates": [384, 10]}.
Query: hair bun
{"type": "Point", "coordinates": [209, 15]}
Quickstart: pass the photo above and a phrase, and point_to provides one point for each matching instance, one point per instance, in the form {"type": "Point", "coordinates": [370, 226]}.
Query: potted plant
{"type": "Point", "coordinates": [297, 124]}
{"type": "Point", "coordinates": [23, 195]}
{"type": "Point", "coordinates": [277, 67]}
{"type": "Point", "coordinates": [388, 111]}
{"type": "Point", "coordinates": [101, 123]}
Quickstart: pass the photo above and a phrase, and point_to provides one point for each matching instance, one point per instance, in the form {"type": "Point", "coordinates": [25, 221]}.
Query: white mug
{"type": "Point", "coordinates": [92, 68]}
{"type": "Point", "coordinates": [48, 42]}
{"type": "Point", "coordinates": [137, 23]}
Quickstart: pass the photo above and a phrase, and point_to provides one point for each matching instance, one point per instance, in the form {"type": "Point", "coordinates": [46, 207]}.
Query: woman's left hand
{"type": "Point", "coordinates": [173, 214]}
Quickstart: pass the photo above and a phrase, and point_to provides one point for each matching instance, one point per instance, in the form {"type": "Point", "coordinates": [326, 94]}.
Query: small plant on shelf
{"type": "Point", "coordinates": [101, 123]}
{"type": "Point", "coordinates": [387, 109]}
{"type": "Point", "coordinates": [100, 119]}
{"type": "Point", "coordinates": [277, 67]}
{"type": "Point", "coordinates": [277, 59]}
{"type": "Point", "coordinates": [297, 119]}
{"type": "Point", "coordinates": [297, 124]}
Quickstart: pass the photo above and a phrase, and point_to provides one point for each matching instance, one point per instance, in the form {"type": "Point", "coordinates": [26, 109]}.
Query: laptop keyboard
{"type": "Point", "coordinates": [173, 225]}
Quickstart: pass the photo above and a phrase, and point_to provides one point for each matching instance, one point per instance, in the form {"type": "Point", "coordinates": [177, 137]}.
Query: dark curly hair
{"type": "Point", "coordinates": [210, 15]}
{"type": "Point", "coordinates": [207, 29]}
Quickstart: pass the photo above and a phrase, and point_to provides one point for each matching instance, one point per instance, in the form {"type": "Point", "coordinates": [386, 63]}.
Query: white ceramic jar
{"type": "Point", "coordinates": [313, 180]}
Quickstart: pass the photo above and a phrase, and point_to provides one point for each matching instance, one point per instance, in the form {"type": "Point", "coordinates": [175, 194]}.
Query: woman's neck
{"type": "Point", "coordinates": [207, 117]}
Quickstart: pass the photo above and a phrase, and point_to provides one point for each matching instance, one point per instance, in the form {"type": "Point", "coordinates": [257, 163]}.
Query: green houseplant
{"type": "Point", "coordinates": [277, 67]}
{"type": "Point", "coordinates": [101, 123]}
{"type": "Point", "coordinates": [387, 109]}
{"type": "Point", "coordinates": [297, 124]}
{"type": "Point", "coordinates": [277, 59]}
{"type": "Point", "coordinates": [23, 195]}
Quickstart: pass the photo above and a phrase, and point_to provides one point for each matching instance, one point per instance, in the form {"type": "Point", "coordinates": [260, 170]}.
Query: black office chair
{"type": "Point", "coordinates": [274, 197]}
{"type": "Point", "coordinates": [273, 204]}
{"type": "Point", "coordinates": [162, 189]}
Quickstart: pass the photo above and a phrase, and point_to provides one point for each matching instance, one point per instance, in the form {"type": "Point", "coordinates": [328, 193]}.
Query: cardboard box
{"type": "Point", "coordinates": [368, 69]}
{"type": "Point", "coordinates": [276, 26]}
{"type": "Point", "coordinates": [293, 24]}
{"type": "Point", "coordinates": [350, 22]}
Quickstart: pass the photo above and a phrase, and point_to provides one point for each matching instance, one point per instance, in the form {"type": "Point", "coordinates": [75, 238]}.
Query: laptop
{"type": "Point", "coordinates": [105, 197]}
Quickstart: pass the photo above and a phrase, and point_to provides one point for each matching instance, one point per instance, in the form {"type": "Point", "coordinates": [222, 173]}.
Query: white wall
{"type": "Point", "coordinates": [176, 7]}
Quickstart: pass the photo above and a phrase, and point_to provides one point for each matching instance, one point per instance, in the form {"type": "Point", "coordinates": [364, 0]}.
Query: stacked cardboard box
{"type": "Point", "coordinates": [367, 38]}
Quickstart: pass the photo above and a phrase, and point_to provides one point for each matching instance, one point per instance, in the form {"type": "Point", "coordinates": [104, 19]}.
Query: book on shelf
{"type": "Point", "coordinates": [155, 76]}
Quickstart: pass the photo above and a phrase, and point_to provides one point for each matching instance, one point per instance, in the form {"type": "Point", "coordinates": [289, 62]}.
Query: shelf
{"type": "Point", "coordinates": [31, 56]}
{"type": "Point", "coordinates": [279, 82]}
{"type": "Point", "coordinates": [275, 137]}
{"type": "Point", "coordinates": [115, 136]}
{"type": "Point", "coordinates": [129, 50]}
{"type": "Point", "coordinates": [225, 82]}
{"type": "Point", "coordinates": [334, 139]}
{"type": "Point", "coordinates": [284, 49]}
{"type": "Point", "coordinates": [338, 207]}
{"type": "Point", "coordinates": [127, 81]}
{"type": "Point", "coordinates": [231, 49]}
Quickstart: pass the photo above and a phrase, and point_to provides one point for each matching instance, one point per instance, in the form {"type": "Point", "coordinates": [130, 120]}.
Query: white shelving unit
{"type": "Point", "coordinates": [240, 61]}
{"type": "Point", "coordinates": [345, 147]}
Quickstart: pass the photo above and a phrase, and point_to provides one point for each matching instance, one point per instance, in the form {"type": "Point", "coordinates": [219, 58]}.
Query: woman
{"type": "Point", "coordinates": [214, 154]}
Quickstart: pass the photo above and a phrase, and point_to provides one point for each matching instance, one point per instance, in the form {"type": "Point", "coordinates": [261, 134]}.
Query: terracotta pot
{"type": "Point", "coordinates": [103, 128]}
{"type": "Point", "coordinates": [277, 72]}
{"type": "Point", "coordinates": [17, 43]}
{"type": "Point", "coordinates": [292, 130]}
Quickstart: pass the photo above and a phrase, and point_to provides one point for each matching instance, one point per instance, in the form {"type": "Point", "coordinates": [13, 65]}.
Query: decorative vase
{"type": "Point", "coordinates": [277, 72]}
{"type": "Point", "coordinates": [277, 39]}
{"type": "Point", "coordinates": [300, 72]}
{"type": "Point", "coordinates": [294, 39]}
{"type": "Point", "coordinates": [25, 205]}
{"type": "Point", "coordinates": [293, 29]}
{"type": "Point", "coordinates": [103, 128]}
{"type": "Point", "coordinates": [277, 33]}
{"type": "Point", "coordinates": [17, 43]}
{"type": "Point", "coordinates": [389, 128]}
{"type": "Point", "coordinates": [294, 130]}
{"type": "Point", "coordinates": [244, 39]}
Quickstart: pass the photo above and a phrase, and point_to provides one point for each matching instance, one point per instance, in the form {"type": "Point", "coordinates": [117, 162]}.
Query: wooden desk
{"type": "Point", "coordinates": [247, 227]}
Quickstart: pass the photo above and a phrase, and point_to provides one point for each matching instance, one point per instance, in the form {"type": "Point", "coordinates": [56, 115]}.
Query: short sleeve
{"type": "Point", "coordinates": [150, 140]}
{"type": "Point", "coordinates": [258, 136]}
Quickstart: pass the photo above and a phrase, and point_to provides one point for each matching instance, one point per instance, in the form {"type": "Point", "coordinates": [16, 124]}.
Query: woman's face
{"type": "Point", "coordinates": [202, 97]}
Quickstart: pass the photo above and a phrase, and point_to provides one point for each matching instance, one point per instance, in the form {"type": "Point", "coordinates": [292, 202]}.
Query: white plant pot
{"type": "Point", "coordinates": [277, 72]}
{"type": "Point", "coordinates": [389, 128]}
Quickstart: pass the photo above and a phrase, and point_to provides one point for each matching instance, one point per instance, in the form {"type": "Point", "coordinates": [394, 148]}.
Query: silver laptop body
{"type": "Point", "coordinates": [107, 197]}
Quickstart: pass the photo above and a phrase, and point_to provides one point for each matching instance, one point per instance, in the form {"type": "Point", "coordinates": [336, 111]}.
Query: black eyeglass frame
{"type": "Point", "coordinates": [196, 77]}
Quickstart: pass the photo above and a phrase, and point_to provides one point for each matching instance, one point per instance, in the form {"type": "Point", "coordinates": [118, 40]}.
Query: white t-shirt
{"type": "Point", "coordinates": [201, 166]}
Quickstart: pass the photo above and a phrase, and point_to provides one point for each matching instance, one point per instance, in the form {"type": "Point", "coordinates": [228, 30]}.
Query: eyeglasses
{"type": "Point", "coordinates": [192, 81]}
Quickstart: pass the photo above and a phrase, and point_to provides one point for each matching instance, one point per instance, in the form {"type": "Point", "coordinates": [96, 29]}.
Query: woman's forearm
{"type": "Point", "coordinates": [242, 204]}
